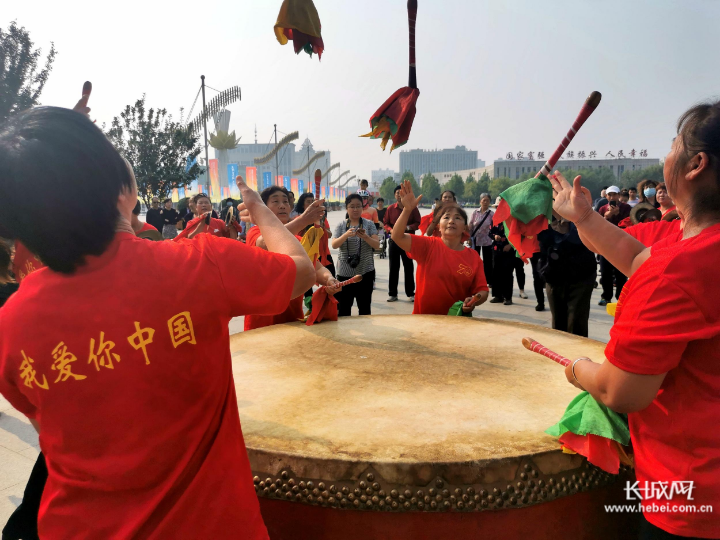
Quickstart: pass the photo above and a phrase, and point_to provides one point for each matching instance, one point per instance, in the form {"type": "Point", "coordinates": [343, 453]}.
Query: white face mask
{"type": "Point", "coordinates": [649, 192]}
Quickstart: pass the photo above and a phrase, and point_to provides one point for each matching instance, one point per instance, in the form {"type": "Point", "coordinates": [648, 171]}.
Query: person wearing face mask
{"type": "Point", "coordinates": [448, 271]}
{"type": "Point", "coordinates": [647, 189]}
{"type": "Point", "coordinates": [610, 277]}
{"type": "Point", "coordinates": [661, 366]}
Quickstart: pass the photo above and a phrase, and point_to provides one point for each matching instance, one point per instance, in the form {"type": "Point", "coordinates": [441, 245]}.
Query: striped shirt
{"type": "Point", "coordinates": [354, 245]}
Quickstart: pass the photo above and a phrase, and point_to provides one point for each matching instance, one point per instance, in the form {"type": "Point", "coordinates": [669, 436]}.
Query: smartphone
{"type": "Point", "coordinates": [613, 203]}
{"type": "Point", "coordinates": [359, 230]}
{"type": "Point", "coordinates": [207, 219]}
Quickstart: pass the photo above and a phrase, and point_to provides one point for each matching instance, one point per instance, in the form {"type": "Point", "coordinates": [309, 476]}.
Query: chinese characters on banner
{"type": "Point", "coordinates": [232, 171]}
{"type": "Point", "coordinates": [103, 354]}
{"type": "Point", "coordinates": [267, 180]}
{"type": "Point", "coordinates": [301, 186]}
{"type": "Point", "coordinates": [294, 186]}
{"type": "Point", "coordinates": [286, 182]}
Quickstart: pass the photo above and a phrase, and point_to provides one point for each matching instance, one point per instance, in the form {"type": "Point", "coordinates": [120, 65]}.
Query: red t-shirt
{"type": "Point", "coordinates": [126, 365]}
{"type": "Point", "coordinates": [216, 227]}
{"type": "Point", "coordinates": [24, 262]}
{"type": "Point", "coordinates": [444, 276]}
{"type": "Point", "coordinates": [293, 310]}
{"type": "Point", "coordinates": [654, 231]}
{"type": "Point", "coordinates": [147, 227]}
{"type": "Point", "coordinates": [668, 321]}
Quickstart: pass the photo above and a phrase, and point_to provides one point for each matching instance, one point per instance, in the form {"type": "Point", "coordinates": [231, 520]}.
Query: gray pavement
{"type": "Point", "coordinates": [19, 442]}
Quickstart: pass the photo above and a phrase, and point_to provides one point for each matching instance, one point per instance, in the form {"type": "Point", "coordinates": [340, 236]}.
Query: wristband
{"type": "Point", "coordinates": [572, 369]}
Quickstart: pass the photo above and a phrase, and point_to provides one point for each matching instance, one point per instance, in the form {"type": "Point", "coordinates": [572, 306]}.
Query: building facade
{"type": "Point", "coordinates": [420, 162]}
{"type": "Point", "coordinates": [515, 169]}
{"type": "Point", "coordinates": [377, 176]}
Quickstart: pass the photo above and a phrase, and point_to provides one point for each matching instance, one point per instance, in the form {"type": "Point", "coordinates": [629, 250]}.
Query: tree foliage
{"type": "Point", "coordinates": [498, 185]}
{"type": "Point", "coordinates": [633, 178]}
{"type": "Point", "coordinates": [430, 188]}
{"type": "Point", "coordinates": [456, 185]}
{"type": "Point", "coordinates": [471, 192]}
{"type": "Point", "coordinates": [484, 183]}
{"type": "Point", "coordinates": [407, 175]}
{"type": "Point", "coordinates": [593, 179]}
{"type": "Point", "coordinates": [157, 147]}
{"type": "Point", "coordinates": [21, 83]}
{"type": "Point", "coordinates": [387, 189]}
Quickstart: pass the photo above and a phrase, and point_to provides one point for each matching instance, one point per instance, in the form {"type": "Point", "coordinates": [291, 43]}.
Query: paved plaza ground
{"type": "Point", "coordinates": [19, 442]}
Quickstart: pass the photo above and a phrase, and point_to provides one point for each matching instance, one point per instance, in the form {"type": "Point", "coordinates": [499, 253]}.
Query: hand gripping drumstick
{"type": "Point", "coordinates": [354, 279]}
{"type": "Point", "coordinates": [588, 108]}
{"type": "Point", "coordinates": [531, 345]}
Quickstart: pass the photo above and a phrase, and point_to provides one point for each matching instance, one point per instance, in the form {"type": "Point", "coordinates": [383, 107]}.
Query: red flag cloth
{"type": "Point", "coordinates": [324, 307]}
{"type": "Point", "coordinates": [394, 119]}
{"type": "Point", "coordinates": [522, 236]}
{"type": "Point", "coordinates": [599, 451]}
{"type": "Point", "coordinates": [425, 222]}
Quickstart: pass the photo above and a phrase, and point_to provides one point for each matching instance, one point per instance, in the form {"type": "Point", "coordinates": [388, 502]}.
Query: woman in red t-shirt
{"type": "Point", "coordinates": [205, 223]}
{"type": "Point", "coordinates": [662, 363]}
{"type": "Point", "coordinates": [276, 199]}
{"type": "Point", "coordinates": [100, 349]}
{"type": "Point", "coordinates": [447, 272]}
{"type": "Point", "coordinates": [428, 224]}
{"type": "Point", "coordinates": [666, 203]}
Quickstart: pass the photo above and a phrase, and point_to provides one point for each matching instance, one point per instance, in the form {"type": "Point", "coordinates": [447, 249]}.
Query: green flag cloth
{"type": "Point", "coordinates": [457, 310]}
{"type": "Point", "coordinates": [525, 211]}
{"type": "Point", "coordinates": [585, 416]}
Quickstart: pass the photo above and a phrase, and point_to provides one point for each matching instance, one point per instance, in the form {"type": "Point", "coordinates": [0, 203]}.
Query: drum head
{"type": "Point", "coordinates": [409, 399]}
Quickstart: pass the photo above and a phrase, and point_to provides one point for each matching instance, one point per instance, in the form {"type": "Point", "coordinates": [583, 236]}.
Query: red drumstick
{"type": "Point", "coordinates": [318, 179]}
{"type": "Point", "coordinates": [354, 279]}
{"type": "Point", "coordinates": [531, 345]}
{"type": "Point", "coordinates": [588, 108]}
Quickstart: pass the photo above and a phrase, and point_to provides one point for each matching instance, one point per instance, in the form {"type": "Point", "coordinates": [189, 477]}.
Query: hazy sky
{"type": "Point", "coordinates": [494, 76]}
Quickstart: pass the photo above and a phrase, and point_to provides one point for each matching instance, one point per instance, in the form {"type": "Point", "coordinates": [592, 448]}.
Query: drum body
{"type": "Point", "coordinates": [396, 427]}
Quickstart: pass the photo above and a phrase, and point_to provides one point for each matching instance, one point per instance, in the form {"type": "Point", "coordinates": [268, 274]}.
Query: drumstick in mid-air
{"type": "Point", "coordinates": [531, 345]}
{"type": "Point", "coordinates": [588, 108]}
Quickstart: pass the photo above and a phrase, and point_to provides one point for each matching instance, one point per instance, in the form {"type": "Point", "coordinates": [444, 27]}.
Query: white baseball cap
{"type": "Point", "coordinates": [612, 189]}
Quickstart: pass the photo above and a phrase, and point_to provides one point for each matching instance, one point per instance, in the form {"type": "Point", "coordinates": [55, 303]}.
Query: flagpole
{"type": "Point", "coordinates": [207, 159]}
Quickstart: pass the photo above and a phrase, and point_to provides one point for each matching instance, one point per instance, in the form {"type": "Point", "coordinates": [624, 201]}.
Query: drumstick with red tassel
{"type": "Point", "coordinates": [588, 108]}
{"type": "Point", "coordinates": [531, 345]}
{"type": "Point", "coordinates": [318, 180]}
{"type": "Point", "coordinates": [354, 279]}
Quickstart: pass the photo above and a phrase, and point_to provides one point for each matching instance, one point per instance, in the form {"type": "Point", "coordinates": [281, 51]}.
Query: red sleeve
{"type": "Point", "coordinates": [480, 281]}
{"type": "Point", "coordinates": [657, 319]}
{"type": "Point", "coordinates": [414, 221]}
{"type": "Point", "coordinates": [255, 281]}
{"type": "Point", "coordinates": [603, 209]}
{"type": "Point", "coordinates": [421, 246]}
{"type": "Point", "coordinates": [187, 230]}
{"type": "Point", "coordinates": [251, 236]}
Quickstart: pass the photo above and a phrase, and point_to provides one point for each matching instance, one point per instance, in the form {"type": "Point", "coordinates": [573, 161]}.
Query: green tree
{"type": "Point", "coordinates": [484, 183]}
{"type": "Point", "coordinates": [386, 190]}
{"type": "Point", "coordinates": [430, 188]}
{"type": "Point", "coordinates": [633, 178]}
{"type": "Point", "coordinates": [158, 148]}
{"type": "Point", "coordinates": [498, 185]}
{"type": "Point", "coordinates": [407, 175]}
{"type": "Point", "coordinates": [20, 81]}
{"type": "Point", "coordinates": [593, 179]}
{"type": "Point", "coordinates": [471, 192]}
{"type": "Point", "coordinates": [456, 185]}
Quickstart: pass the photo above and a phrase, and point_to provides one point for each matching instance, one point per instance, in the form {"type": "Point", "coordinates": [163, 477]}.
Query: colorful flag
{"type": "Point", "coordinates": [294, 185]}
{"type": "Point", "coordinates": [267, 180]}
{"type": "Point", "coordinates": [301, 186]}
{"type": "Point", "coordinates": [251, 177]}
{"type": "Point", "coordinates": [286, 182]}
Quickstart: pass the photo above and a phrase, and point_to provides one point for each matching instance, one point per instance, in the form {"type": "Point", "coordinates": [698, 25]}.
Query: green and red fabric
{"type": "Point", "coordinates": [298, 20]}
{"type": "Point", "coordinates": [594, 431]}
{"type": "Point", "coordinates": [525, 210]}
{"type": "Point", "coordinates": [394, 119]}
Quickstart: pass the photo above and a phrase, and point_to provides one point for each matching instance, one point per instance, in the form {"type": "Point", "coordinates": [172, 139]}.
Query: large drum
{"type": "Point", "coordinates": [413, 427]}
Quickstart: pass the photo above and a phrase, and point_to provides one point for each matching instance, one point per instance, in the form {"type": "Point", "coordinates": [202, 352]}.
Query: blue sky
{"type": "Point", "coordinates": [494, 76]}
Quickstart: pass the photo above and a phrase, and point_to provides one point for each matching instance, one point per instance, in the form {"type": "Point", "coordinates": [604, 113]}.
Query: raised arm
{"type": "Point", "coordinates": [599, 235]}
{"type": "Point", "coordinates": [409, 202]}
{"type": "Point", "coordinates": [277, 238]}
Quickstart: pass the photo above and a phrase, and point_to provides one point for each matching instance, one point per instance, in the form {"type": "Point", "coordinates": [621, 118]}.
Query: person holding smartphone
{"type": "Point", "coordinates": [614, 212]}
{"type": "Point", "coordinates": [355, 239]}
